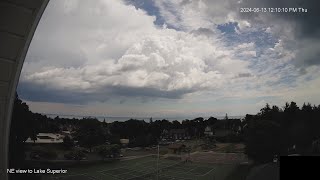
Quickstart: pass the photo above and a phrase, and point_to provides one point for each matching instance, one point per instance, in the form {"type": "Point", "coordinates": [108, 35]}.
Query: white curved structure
{"type": "Point", "coordinates": [18, 22]}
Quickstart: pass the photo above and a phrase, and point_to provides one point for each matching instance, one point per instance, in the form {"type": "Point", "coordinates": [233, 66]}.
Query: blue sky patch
{"type": "Point", "coordinates": [151, 9]}
{"type": "Point", "coordinates": [228, 27]}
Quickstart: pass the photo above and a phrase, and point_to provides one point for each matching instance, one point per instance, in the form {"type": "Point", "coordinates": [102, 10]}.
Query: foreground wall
{"type": "Point", "coordinates": [18, 22]}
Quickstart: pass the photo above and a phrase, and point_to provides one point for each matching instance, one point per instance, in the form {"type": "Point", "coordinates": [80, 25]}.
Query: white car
{"type": "Point", "coordinates": [275, 160]}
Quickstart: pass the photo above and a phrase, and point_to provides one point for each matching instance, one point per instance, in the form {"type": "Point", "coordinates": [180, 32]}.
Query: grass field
{"type": "Point", "coordinates": [146, 169]}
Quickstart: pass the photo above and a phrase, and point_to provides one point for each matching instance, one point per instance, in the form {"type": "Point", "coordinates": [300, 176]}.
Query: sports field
{"type": "Point", "coordinates": [146, 169]}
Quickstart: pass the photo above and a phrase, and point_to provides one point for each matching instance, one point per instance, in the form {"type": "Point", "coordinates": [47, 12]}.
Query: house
{"type": "Point", "coordinates": [208, 131]}
{"type": "Point", "coordinates": [47, 138]}
{"type": "Point", "coordinates": [175, 134]}
{"type": "Point", "coordinates": [124, 142]}
{"type": "Point", "coordinates": [209, 137]}
{"type": "Point", "coordinates": [179, 134]}
{"type": "Point", "coordinates": [221, 129]}
{"type": "Point", "coordinates": [164, 135]}
{"type": "Point", "coordinates": [176, 148]}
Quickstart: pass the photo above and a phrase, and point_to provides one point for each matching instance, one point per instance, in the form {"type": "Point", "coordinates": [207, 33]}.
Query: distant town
{"type": "Point", "coordinates": [250, 141]}
{"type": "Point", "coordinates": [125, 118]}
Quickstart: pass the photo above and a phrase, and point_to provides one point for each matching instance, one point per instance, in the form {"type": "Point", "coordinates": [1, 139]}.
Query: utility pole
{"type": "Point", "coordinates": [158, 163]}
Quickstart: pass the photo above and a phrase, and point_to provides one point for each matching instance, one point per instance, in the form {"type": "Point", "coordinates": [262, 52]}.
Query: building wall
{"type": "Point", "coordinates": [18, 22]}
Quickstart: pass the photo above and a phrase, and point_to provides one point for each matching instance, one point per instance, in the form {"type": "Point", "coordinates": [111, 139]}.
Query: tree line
{"type": "Point", "coordinates": [272, 131]}
{"type": "Point", "coordinates": [282, 131]}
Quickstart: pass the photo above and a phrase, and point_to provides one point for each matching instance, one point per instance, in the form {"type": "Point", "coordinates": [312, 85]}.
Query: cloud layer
{"type": "Point", "coordinates": [96, 52]}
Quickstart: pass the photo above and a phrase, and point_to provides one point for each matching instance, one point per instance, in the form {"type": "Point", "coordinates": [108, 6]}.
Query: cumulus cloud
{"type": "Point", "coordinates": [86, 52]}
{"type": "Point", "coordinates": [191, 15]}
{"type": "Point", "coordinates": [300, 31]}
{"type": "Point", "coordinates": [165, 64]}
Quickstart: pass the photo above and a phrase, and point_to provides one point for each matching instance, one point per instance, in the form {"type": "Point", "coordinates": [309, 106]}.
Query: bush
{"type": "Point", "coordinates": [108, 151]}
{"type": "Point", "coordinates": [41, 152]}
{"type": "Point", "coordinates": [49, 154]}
{"type": "Point", "coordinates": [75, 155]}
{"type": "Point", "coordinates": [84, 150]}
{"type": "Point", "coordinates": [68, 143]}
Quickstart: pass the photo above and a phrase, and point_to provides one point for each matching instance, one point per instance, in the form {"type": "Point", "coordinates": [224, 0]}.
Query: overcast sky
{"type": "Point", "coordinates": [169, 58]}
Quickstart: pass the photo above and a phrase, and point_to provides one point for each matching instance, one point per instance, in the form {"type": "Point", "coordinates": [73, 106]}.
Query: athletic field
{"type": "Point", "coordinates": [146, 169]}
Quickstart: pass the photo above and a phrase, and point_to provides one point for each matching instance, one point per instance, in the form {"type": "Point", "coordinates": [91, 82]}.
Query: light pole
{"type": "Point", "coordinates": [158, 163]}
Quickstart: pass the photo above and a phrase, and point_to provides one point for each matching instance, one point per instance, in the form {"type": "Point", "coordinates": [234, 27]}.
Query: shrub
{"type": "Point", "coordinates": [68, 143]}
{"type": "Point", "coordinates": [107, 151]}
{"type": "Point", "coordinates": [41, 152]}
{"type": "Point", "coordinates": [75, 155]}
{"type": "Point", "coordinates": [49, 154]}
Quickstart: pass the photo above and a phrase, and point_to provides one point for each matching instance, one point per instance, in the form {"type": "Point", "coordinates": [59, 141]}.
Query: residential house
{"type": "Point", "coordinates": [222, 128]}
{"type": "Point", "coordinates": [47, 138]}
{"type": "Point", "coordinates": [175, 134]}
{"type": "Point", "coordinates": [124, 142]}
{"type": "Point", "coordinates": [208, 131]}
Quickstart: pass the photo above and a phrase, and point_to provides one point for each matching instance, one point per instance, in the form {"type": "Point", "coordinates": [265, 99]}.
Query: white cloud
{"type": "Point", "coordinates": [194, 14]}
{"type": "Point", "coordinates": [123, 48]}
{"type": "Point", "coordinates": [167, 60]}
{"type": "Point", "coordinates": [110, 50]}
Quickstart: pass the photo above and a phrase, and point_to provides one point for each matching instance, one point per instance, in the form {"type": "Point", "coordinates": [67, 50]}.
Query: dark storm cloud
{"type": "Point", "coordinates": [149, 92]}
{"type": "Point", "coordinates": [308, 24]}
{"type": "Point", "coordinates": [40, 93]}
{"type": "Point", "coordinates": [309, 52]}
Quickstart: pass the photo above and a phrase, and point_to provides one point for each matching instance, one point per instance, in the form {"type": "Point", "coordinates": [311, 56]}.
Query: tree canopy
{"type": "Point", "coordinates": [281, 131]}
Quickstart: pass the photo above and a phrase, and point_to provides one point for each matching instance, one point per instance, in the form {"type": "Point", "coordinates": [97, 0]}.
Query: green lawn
{"type": "Point", "coordinates": [229, 147]}
{"type": "Point", "coordinates": [146, 168]}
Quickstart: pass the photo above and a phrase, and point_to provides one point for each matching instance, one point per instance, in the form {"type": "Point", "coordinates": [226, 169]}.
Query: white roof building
{"type": "Point", "coordinates": [47, 138]}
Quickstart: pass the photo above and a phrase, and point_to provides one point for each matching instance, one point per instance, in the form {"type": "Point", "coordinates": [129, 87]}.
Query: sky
{"type": "Point", "coordinates": [171, 58]}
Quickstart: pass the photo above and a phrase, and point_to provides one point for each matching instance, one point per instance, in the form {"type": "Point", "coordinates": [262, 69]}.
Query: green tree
{"type": "Point", "coordinates": [262, 140]}
{"type": "Point", "coordinates": [115, 149]}
{"type": "Point", "coordinates": [276, 131]}
{"type": "Point", "coordinates": [68, 143]}
{"type": "Point", "coordinates": [22, 127]}
{"type": "Point", "coordinates": [106, 151]}
{"type": "Point", "coordinates": [91, 133]}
